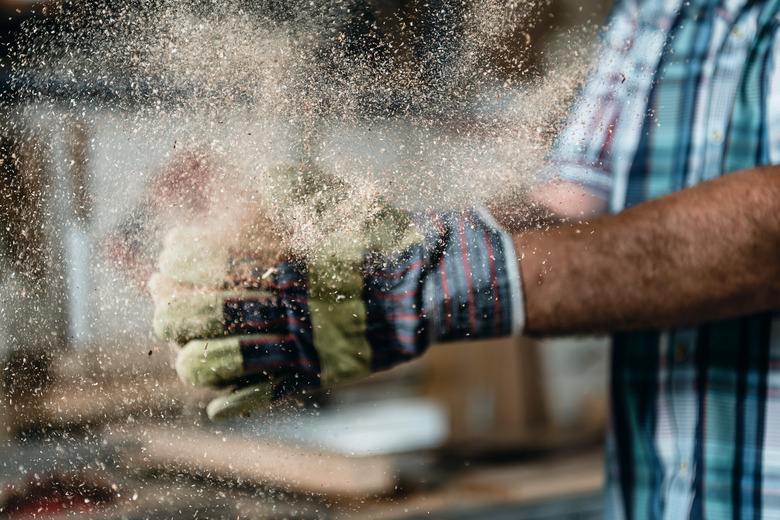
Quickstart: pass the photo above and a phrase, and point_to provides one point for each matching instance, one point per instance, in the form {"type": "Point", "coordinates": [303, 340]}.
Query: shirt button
{"type": "Point", "coordinates": [717, 137]}
{"type": "Point", "coordinates": [684, 466]}
{"type": "Point", "coordinates": [737, 34]}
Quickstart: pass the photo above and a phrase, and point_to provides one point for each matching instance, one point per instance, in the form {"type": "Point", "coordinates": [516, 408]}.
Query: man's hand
{"type": "Point", "coordinates": [270, 325]}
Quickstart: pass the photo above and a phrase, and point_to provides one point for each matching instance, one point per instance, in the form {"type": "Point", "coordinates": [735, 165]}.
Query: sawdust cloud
{"type": "Point", "coordinates": [218, 92]}
{"type": "Point", "coordinates": [316, 82]}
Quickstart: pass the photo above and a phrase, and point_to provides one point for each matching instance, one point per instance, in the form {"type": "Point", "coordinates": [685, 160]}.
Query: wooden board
{"type": "Point", "coordinates": [255, 461]}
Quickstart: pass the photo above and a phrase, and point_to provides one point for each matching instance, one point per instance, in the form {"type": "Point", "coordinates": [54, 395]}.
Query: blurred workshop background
{"type": "Point", "coordinates": [93, 420]}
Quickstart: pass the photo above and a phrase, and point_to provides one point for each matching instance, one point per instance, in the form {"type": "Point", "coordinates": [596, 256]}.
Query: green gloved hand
{"type": "Point", "coordinates": [380, 286]}
{"type": "Point", "coordinates": [268, 326]}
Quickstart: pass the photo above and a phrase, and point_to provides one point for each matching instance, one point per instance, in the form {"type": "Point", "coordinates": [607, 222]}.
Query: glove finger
{"type": "Point", "coordinates": [183, 313]}
{"type": "Point", "coordinates": [222, 362]}
{"type": "Point", "coordinates": [191, 257]}
{"type": "Point", "coordinates": [247, 399]}
{"type": "Point", "coordinates": [210, 363]}
{"type": "Point", "coordinates": [241, 402]}
{"type": "Point", "coordinates": [203, 257]}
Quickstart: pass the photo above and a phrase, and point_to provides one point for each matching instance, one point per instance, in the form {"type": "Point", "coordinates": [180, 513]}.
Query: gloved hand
{"type": "Point", "coordinates": [367, 299]}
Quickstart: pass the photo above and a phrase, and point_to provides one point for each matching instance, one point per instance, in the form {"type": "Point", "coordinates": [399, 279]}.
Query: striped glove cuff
{"type": "Point", "coordinates": [474, 291]}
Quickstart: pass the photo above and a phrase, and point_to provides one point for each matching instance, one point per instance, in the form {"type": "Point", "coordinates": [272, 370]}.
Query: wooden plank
{"type": "Point", "coordinates": [542, 480]}
{"type": "Point", "coordinates": [256, 461]}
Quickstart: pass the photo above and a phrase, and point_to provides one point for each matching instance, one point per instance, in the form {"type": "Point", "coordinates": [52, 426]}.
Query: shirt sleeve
{"type": "Point", "coordinates": [598, 140]}
{"type": "Point", "coordinates": [773, 98]}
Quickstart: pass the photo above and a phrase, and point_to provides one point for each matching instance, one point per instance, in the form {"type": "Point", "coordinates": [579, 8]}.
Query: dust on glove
{"type": "Point", "coordinates": [368, 298]}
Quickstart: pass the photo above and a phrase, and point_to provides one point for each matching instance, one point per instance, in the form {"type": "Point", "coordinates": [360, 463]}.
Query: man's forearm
{"type": "Point", "coordinates": [708, 252]}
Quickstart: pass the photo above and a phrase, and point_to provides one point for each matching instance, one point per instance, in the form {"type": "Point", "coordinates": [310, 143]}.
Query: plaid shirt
{"type": "Point", "coordinates": [685, 92]}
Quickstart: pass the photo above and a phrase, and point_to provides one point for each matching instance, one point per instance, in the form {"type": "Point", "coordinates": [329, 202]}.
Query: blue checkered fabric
{"type": "Point", "coordinates": [457, 284]}
{"type": "Point", "coordinates": [685, 92]}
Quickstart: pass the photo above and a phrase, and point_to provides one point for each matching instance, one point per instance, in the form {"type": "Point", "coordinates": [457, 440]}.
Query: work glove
{"type": "Point", "coordinates": [268, 325]}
